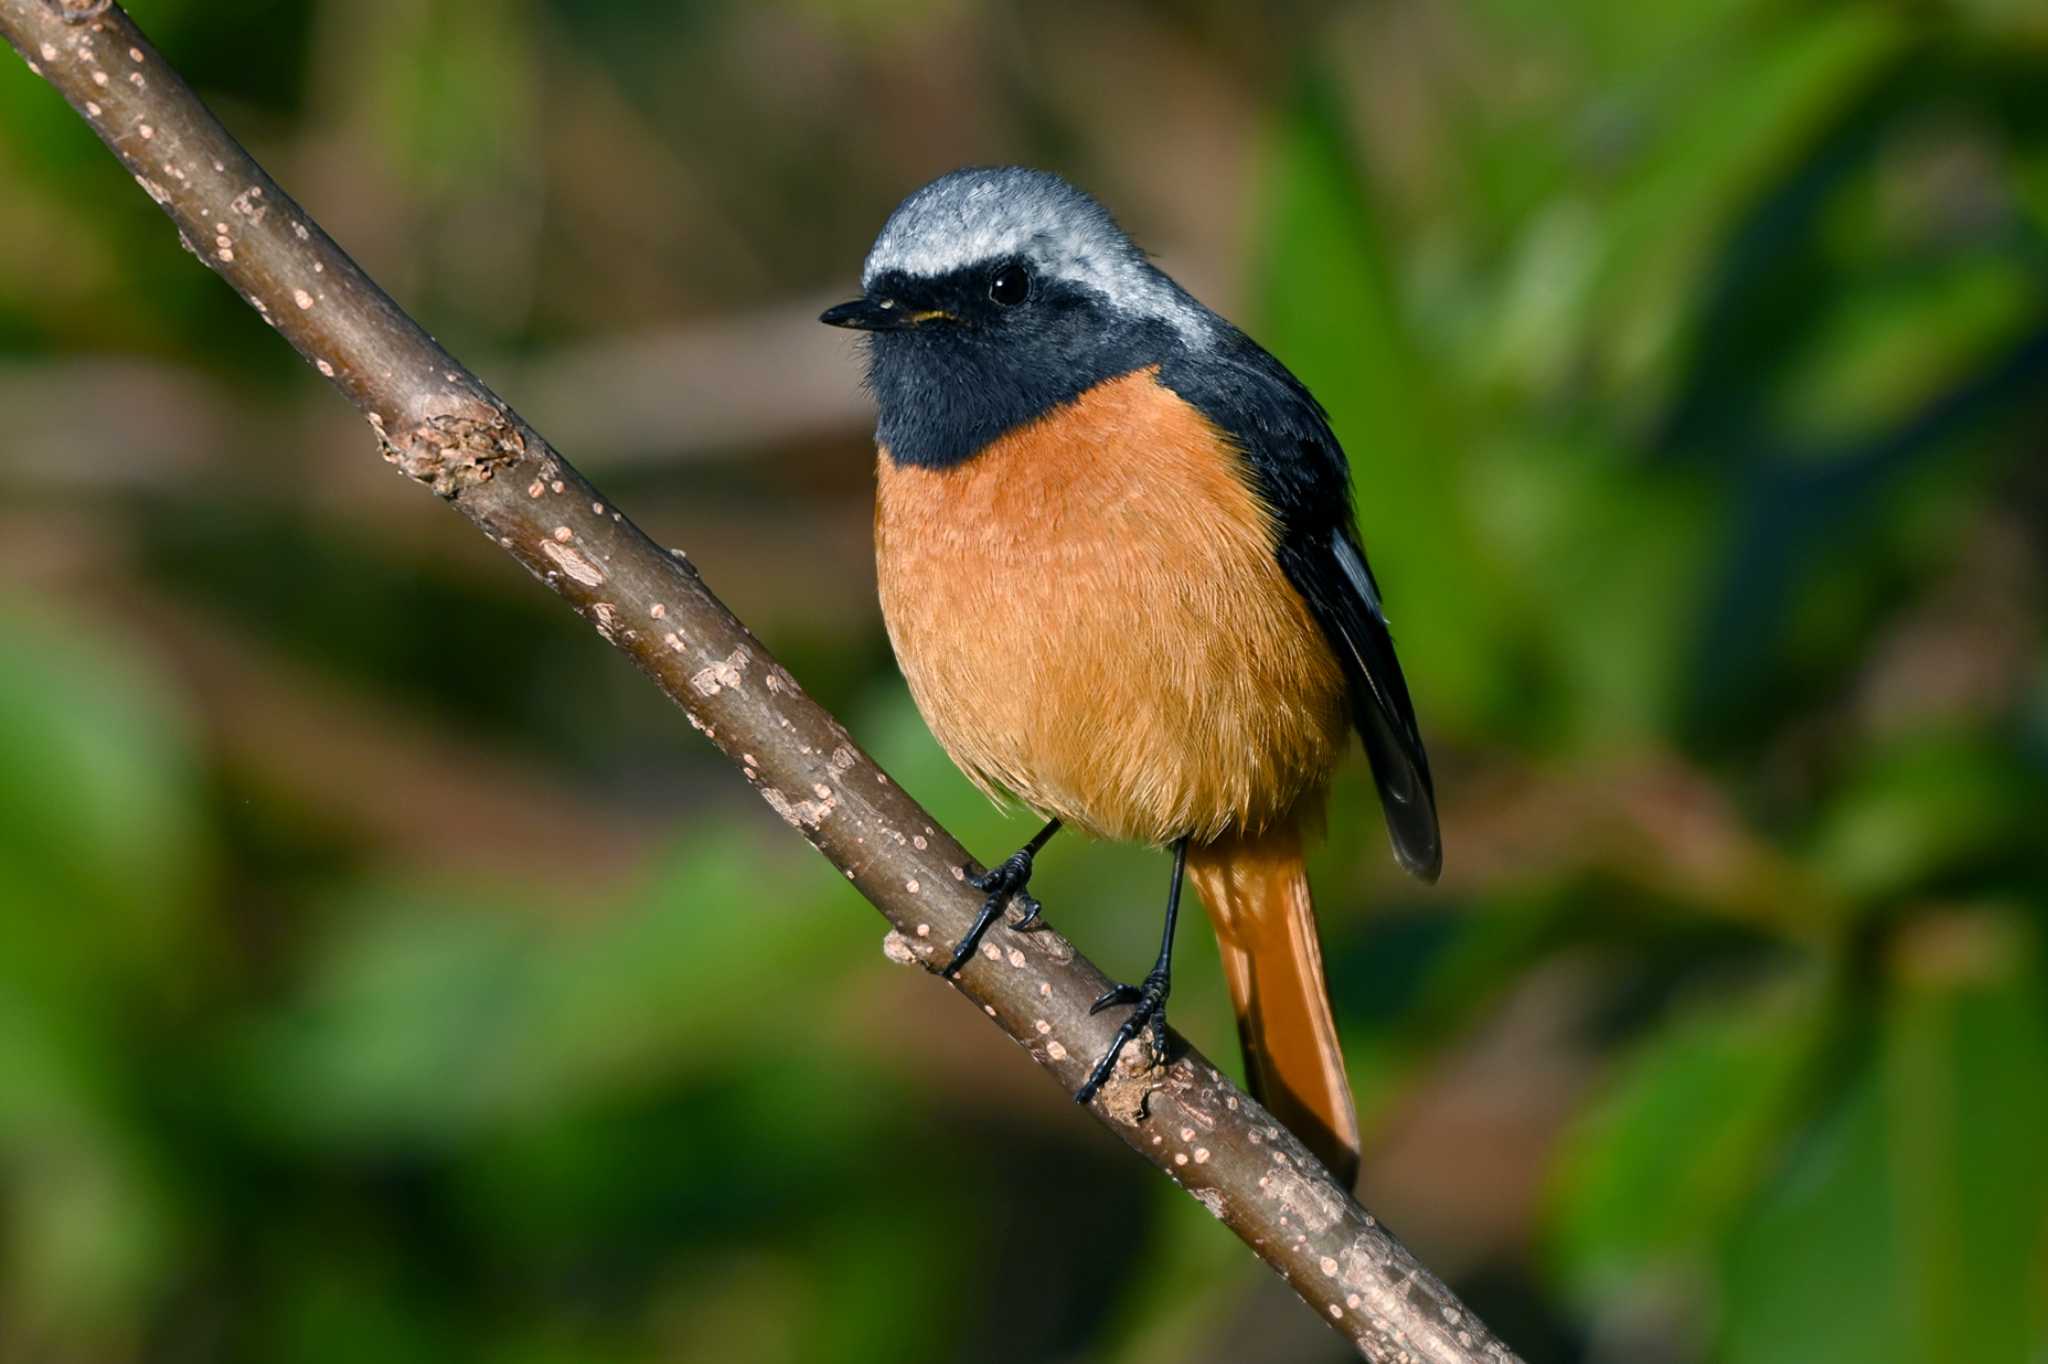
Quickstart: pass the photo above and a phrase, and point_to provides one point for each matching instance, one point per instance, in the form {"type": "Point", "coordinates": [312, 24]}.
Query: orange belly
{"type": "Point", "coordinates": [1090, 617]}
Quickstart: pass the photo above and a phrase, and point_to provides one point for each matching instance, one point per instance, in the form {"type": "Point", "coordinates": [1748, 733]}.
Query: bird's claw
{"type": "Point", "coordinates": [1148, 1013]}
{"type": "Point", "coordinates": [1007, 880]}
{"type": "Point", "coordinates": [1114, 995]}
{"type": "Point", "coordinates": [1004, 884]}
{"type": "Point", "coordinates": [1008, 874]}
{"type": "Point", "coordinates": [1027, 920]}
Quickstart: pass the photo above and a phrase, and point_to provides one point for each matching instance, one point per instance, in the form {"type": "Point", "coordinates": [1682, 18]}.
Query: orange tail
{"type": "Point", "coordinates": [1257, 893]}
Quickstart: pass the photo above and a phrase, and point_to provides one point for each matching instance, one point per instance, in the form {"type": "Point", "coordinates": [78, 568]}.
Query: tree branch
{"type": "Point", "coordinates": [441, 426]}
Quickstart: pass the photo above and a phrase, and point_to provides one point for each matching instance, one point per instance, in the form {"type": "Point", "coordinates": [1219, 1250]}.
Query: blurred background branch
{"type": "Point", "coordinates": [675, 394]}
{"type": "Point", "coordinates": [442, 427]}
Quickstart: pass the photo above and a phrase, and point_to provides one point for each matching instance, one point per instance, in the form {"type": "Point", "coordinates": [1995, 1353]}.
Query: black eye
{"type": "Point", "coordinates": [1009, 285]}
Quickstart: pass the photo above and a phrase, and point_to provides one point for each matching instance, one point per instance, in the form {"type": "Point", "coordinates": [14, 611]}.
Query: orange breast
{"type": "Point", "coordinates": [1090, 616]}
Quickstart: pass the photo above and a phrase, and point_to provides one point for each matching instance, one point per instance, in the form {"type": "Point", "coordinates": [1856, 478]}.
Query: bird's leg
{"type": "Point", "coordinates": [1004, 882]}
{"type": "Point", "coordinates": [1149, 998]}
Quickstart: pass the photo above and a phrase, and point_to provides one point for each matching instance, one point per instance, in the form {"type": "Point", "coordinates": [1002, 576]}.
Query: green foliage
{"type": "Point", "coordinates": [102, 855]}
{"type": "Point", "coordinates": [1658, 1173]}
{"type": "Point", "coordinates": [1921, 1184]}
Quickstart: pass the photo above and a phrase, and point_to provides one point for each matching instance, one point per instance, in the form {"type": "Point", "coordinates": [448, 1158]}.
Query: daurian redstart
{"type": "Point", "coordinates": [1119, 566]}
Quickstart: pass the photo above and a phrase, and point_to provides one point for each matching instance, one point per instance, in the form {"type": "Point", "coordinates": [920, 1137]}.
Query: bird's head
{"type": "Point", "coordinates": [993, 295]}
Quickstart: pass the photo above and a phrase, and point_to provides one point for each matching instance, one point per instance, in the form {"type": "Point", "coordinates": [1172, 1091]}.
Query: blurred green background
{"type": "Point", "coordinates": [386, 972]}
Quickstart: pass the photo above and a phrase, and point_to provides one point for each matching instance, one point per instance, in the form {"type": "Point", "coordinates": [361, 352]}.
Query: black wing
{"type": "Point", "coordinates": [1300, 472]}
{"type": "Point", "coordinates": [1331, 574]}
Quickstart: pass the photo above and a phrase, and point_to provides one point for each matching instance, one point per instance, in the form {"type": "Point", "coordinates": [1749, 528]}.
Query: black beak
{"type": "Point", "coordinates": [875, 315]}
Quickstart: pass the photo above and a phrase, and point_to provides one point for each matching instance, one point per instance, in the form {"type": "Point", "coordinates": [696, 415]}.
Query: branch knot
{"type": "Point", "coordinates": [450, 453]}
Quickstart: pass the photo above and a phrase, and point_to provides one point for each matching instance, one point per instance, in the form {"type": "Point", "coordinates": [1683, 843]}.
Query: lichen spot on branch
{"type": "Point", "coordinates": [727, 672]}
{"type": "Point", "coordinates": [450, 453]}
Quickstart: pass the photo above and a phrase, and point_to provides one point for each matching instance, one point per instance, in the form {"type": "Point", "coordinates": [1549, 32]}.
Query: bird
{"type": "Point", "coordinates": [1119, 566]}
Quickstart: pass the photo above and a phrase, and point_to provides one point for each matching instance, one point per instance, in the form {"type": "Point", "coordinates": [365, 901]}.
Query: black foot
{"type": "Point", "coordinates": [1149, 1000]}
{"type": "Point", "coordinates": [1007, 880]}
{"type": "Point", "coordinates": [1004, 883]}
